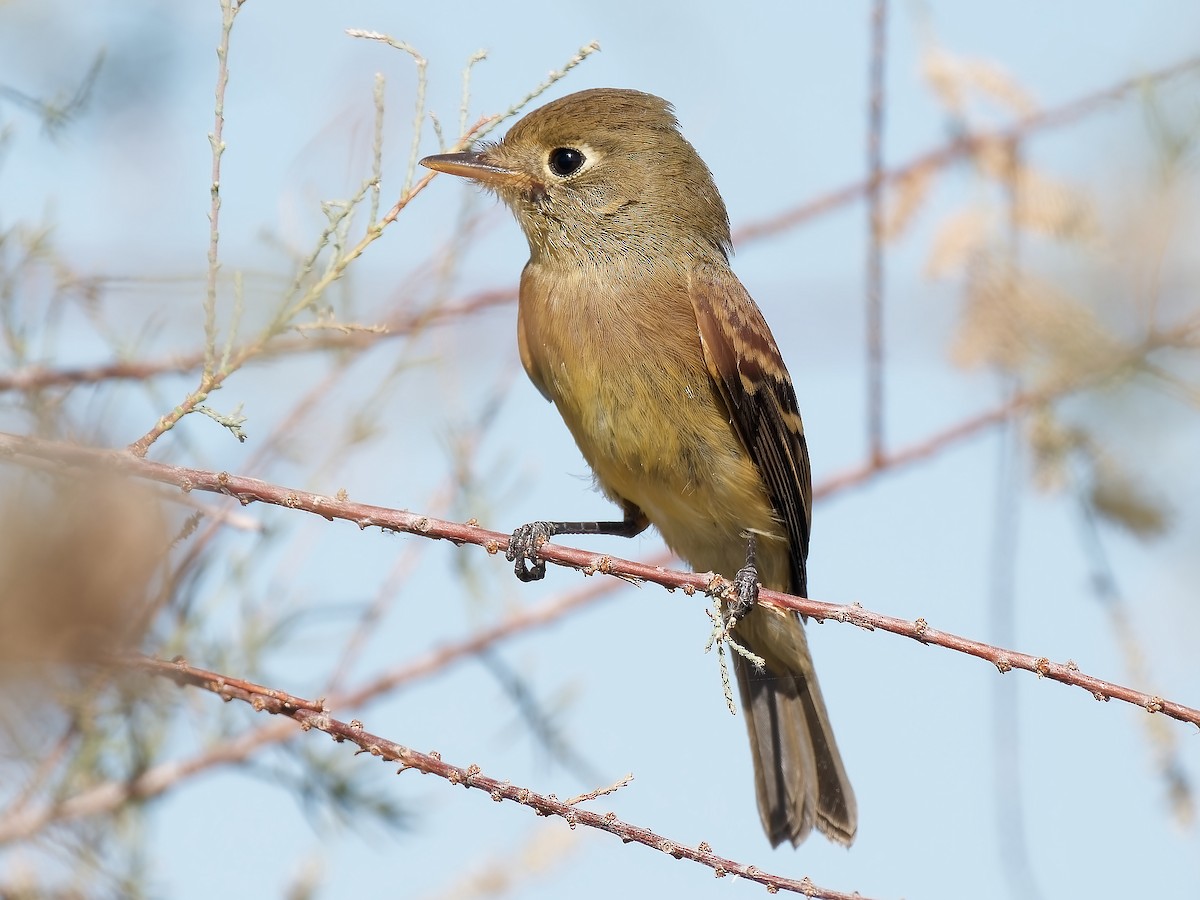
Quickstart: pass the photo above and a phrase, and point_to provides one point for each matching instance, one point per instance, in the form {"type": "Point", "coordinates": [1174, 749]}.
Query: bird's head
{"type": "Point", "coordinates": [599, 174]}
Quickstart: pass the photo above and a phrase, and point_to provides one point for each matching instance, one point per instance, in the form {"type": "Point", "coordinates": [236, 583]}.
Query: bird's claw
{"type": "Point", "coordinates": [744, 592]}
{"type": "Point", "coordinates": [523, 547]}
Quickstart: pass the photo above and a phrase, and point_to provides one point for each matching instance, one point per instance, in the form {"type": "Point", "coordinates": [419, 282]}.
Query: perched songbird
{"type": "Point", "coordinates": [663, 368]}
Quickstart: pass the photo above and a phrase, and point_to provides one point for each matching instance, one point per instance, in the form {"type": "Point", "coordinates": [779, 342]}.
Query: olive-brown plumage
{"type": "Point", "coordinates": [632, 323]}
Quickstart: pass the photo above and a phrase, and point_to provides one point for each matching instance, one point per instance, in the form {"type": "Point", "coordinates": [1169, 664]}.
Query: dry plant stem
{"type": "Point", "coordinates": [422, 65]}
{"type": "Point", "coordinates": [250, 490]}
{"type": "Point", "coordinates": [259, 696]}
{"type": "Point", "coordinates": [1136, 358]}
{"type": "Point", "coordinates": [45, 768]}
{"type": "Point", "coordinates": [931, 446]}
{"type": "Point", "coordinates": [377, 95]}
{"type": "Point", "coordinates": [964, 146]}
{"type": "Point", "coordinates": [210, 382]}
{"type": "Point", "coordinates": [557, 75]}
{"type": "Point", "coordinates": [386, 595]}
{"type": "Point", "coordinates": [389, 590]}
{"type": "Point", "coordinates": [303, 406]}
{"type": "Point", "coordinates": [441, 658]}
{"type": "Point", "coordinates": [464, 102]}
{"type": "Point", "coordinates": [32, 378]}
{"type": "Point", "coordinates": [409, 323]}
{"type": "Point", "coordinates": [105, 798]}
{"type": "Point", "coordinates": [216, 140]}
{"type": "Point", "coordinates": [600, 792]}
{"type": "Point", "coordinates": [312, 715]}
{"type": "Point", "coordinates": [874, 311]}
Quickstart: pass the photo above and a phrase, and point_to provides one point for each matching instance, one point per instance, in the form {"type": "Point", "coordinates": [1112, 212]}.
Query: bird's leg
{"type": "Point", "coordinates": [524, 543]}
{"type": "Point", "coordinates": [745, 583]}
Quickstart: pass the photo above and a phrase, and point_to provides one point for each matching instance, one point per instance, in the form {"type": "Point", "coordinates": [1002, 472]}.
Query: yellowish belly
{"type": "Point", "coordinates": [636, 395]}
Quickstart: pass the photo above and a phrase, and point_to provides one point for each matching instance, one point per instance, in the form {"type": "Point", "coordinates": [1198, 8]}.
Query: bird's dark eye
{"type": "Point", "coordinates": [565, 161]}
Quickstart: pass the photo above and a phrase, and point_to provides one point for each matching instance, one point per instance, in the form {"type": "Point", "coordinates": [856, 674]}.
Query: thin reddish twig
{"type": "Point", "coordinates": [874, 298]}
{"type": "Point", "coordinates": [18, 823]}
{"type": "Point", "coordinates": [250, 490]}
{"type": "Point", "coordinates": [211, 380]}
{"type": "Point", "coordinates": [33, 377]}
{"type": "Point", "coordinates": [963, 146]}
{"type": "Point", "coordinates": [1115, 367]}
{"type": "Point", "coordinates": [29, 378]}
{"type": "Point", "coordinates": [313, 715]}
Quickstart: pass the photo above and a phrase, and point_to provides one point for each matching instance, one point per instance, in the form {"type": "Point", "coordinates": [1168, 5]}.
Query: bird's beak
{"type": "Point", "coordinates": [472, 165]}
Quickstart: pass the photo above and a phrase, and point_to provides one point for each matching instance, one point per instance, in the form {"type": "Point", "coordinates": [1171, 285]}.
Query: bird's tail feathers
{"type": "Point", "coordinates": [798, 772]}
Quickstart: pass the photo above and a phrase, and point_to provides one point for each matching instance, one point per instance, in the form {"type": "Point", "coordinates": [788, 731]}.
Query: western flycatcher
{"type": "Point", "coordinates": [632, 323]}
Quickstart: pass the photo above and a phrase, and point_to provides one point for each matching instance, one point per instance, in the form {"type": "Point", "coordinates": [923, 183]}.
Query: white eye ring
{"type": "Point", "coordinates": [565, 161]}
{"type": "Point", "coordinates": [568, 161]}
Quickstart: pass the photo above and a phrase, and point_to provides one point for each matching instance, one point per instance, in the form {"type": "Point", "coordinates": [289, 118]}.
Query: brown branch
{"type": "Point", "coordinates": [314, 715]}
{"type": "Point", "coordinates": [466, 447]}
{"type": "Point", "coordinates": [874, 293]}
{"type": "Point", "coordinates": [1115, 367]}
{"type": "Point", "coordinates": [439, 659]}
{"type": "Point", "coordinates": [964, 146]}
{"type": "Point", "coordinates": [18, 822]}
{"type": "Point", "coordinates": [402, 323]}
{"type": "Point", "coordinates": [216, 142]}
{"type": "Point", "coordinates": [29, 378]}
{"type": "Point", "coordinates": [214, 379]}
{"type": "Point", "coordinates": [250, 490]}
{"type": "Point", "coordinates": [33, 377]}
{"type": "Point", "coordinates": [913, 453]}
{"type": "Point", "coordinates": [36, 377]}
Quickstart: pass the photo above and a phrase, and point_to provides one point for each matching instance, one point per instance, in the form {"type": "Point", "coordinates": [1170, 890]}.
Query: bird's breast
{"type": "Point", "coordinates": [621, 359]}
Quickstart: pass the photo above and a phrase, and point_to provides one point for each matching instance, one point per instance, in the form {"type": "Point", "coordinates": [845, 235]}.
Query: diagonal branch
{"type": "Point", "coordinates": [213, 380]}
{"type": "Point", "coordinates": [35, 377]}
{"type": "Point", "coordinates": [250, 490]}
{"type": "Point", "coordinates": [18, 822]}
{"type": "Point", "coordinates": [1134, 359]}
{"type": "Point", "coordinates": [964, 146]}
{"type": "Point", "coordinates": [314, 715]}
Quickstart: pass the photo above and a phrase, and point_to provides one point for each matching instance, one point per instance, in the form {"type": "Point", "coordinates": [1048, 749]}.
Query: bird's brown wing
{"type": "Point", "coordinates": [744, 361]}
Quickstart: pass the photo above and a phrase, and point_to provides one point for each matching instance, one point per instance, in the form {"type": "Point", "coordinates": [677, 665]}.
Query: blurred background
{"type": "Point", "coordinates": [1029, 479]}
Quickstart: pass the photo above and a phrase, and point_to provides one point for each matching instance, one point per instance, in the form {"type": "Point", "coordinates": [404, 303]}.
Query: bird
{"type": "Point", "coordinates": [632, 323]}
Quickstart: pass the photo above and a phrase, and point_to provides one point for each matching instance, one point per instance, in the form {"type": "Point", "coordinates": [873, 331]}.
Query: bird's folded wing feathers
{"type": "Point", "coordinates": [744, 361]}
